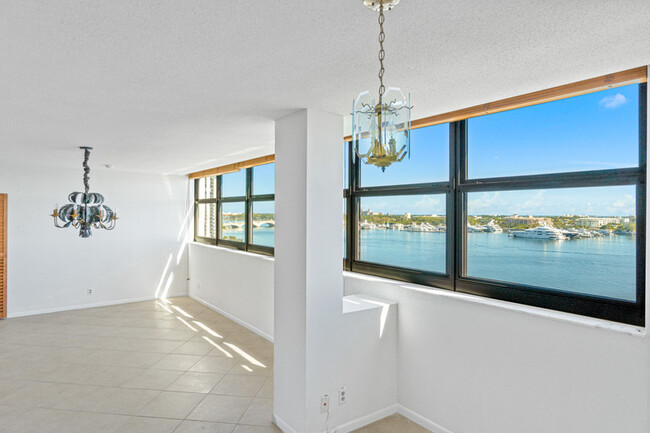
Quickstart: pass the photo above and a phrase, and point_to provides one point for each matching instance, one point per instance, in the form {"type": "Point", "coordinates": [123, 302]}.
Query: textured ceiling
{"type": "Point", "coordinates": [176, 86]}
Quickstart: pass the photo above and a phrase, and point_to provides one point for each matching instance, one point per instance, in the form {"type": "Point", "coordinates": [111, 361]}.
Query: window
{"type": "Point", "coordinates": [542, 205]}
{"type": "Point", "coordinates": [237, 209]}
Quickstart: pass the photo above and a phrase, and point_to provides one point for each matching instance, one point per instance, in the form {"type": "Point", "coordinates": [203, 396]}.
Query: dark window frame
{"type": "Point", "coordinates": [456, 188]}
{"type": "Point", "coordinates": [248, 201]}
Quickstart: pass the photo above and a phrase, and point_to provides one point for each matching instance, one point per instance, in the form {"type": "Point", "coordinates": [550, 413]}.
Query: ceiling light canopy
{"type": "Point", "coordinates": [381, 128]}
{"type": "Point", "coordinates": [86, 210]}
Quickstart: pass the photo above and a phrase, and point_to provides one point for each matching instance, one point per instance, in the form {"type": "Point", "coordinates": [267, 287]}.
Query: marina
{"type": "Point", "coordinates": [600, 266]}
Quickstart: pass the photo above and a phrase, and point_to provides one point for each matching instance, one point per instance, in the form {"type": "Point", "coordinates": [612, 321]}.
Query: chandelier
{"type": "Point", "coordinates": [381, 127]}
{"type": "Point", "coordinates": [86, 209]}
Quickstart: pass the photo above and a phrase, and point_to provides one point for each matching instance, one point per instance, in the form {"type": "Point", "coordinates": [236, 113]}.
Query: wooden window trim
{"type": "Point", "coordinates": [231, 168]}
{"type": "Point", "coordinates": [618, 79]}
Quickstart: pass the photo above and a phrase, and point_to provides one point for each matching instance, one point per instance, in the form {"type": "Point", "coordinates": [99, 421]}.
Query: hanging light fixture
{"type": "Point", "coordinates": [382, 127]}
{"type": "Point", "coordinates": [86, 209]}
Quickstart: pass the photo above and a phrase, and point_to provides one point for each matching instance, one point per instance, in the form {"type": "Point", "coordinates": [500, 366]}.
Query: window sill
{"type": "Point", "coordinates": [526, 309]}
{"type": "Point", "coordinates": [355, 303]}
{"type": "Point", "coordinates": [235, 251]}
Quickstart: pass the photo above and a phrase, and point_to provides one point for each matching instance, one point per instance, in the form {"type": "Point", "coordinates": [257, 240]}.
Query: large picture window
{"type": "Point", "coordinates": [543, 205]}
{"type": "Point", "coordinates": [237, 209]}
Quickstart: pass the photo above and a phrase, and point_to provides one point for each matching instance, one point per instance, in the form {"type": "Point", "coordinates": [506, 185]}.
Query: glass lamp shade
{"type": "Point", "coordinates": [381, 132]}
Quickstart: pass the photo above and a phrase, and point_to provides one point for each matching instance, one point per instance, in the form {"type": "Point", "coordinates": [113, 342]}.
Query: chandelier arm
{"type": "Point", "coordinates": [360, 155]}
{"type": "Point", "coordinates": [403, 154]}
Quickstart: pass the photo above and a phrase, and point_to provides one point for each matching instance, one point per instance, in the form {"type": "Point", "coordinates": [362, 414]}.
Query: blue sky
{"type": "Point", "coordinates": [587, 132]}
{"type": "Point", "coordinates": [234, 185]}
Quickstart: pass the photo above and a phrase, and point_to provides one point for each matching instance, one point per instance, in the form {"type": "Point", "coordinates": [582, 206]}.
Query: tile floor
{"type": "Point", "coordinates": [155, 366]}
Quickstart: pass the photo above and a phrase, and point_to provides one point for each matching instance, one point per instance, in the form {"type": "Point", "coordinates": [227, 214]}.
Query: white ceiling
{"type": "Point", "coordinates": [176, 86]}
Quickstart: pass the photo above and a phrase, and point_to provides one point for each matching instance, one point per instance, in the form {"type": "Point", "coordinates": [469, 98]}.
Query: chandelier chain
{"type": "Point", "coordinates": [86, 170]}
{"type": "Point", "coordinates": [382, 53]}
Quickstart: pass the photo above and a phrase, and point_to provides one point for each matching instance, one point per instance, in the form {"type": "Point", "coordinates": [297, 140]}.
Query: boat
{"type": "Point", "coordinates": [493, 227]}
{"type": "Point", "coordinates": [539, 233]}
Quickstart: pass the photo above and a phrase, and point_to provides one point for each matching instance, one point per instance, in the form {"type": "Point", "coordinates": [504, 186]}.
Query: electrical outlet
{"type": "Point", "coordinates": [342, 395]}
{"type": "Point", "coordinates": [324, 403]}
{"type": "Point", "coordinates": [90, 292]}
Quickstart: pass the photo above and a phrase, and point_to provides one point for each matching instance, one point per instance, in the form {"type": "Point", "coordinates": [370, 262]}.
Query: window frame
{"type": "Point", "coordinates": [456, 188]}
{"type": "Point", "coordinates": [248, 201]}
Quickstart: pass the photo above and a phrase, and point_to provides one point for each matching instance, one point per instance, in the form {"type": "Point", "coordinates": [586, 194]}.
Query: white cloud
{"type": "Point", "coordinates": [613, 101]}
{"type": "Point", "coordinates": [427, 205]}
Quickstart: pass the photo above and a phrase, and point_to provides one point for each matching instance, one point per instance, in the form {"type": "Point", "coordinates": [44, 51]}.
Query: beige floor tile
{"type": "Point", "coordinates": [135, 359]}
{"type": "Point", "coordinates": [17, 419]}
{"type": "Point", "coordinates": [157, 346]}
{"type": "Point", "coordinates": [105, 399]}
{"type": "Point", "coordinates": [260, 412]}
{"type": "Point", "coordinates": [243, 386]}
{"type": "Point", "coordinates": [248, 369]}
{"type": "Point", "coordinates": [35, 394]}
{"type": "Point", "coordinates": [204, 427]}
{"type": "Point", "coordinates": [176, 361]}
{"type": "Point", "coordinates": [220, 408]}
{"type": "Point", "coordinates": [136, 424]}
{"type": "Point", "coordinates": [171, 405]}
{"type": "Point", "coordinates": [30, 370]}
{"type": "Point", "coordinates": [62, 421]}
{"type": "Point", "coordinates": [241, 428]}
{"type": "Point", "coordinates": [267, 389]}
{"type": "Point", "coordinates": [195, 382]}
{"type": "Point", "coordinates": [195, 348]}
{"type": "Point", "coordinates": [71, 373]}
{"type": "Point", "coordinates": [114, 376]}
{"type": "Point", "coordinates": [133, 368]}
{"type": "Point", "coordinates": [153, 379]}
{"type": "Point", "coordinates": [213, 364]}
{"type": "Point", "coordinates": [180, 334]}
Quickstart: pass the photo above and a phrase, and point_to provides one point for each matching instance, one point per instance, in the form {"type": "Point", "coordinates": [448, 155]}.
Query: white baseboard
{"type": "Point", "coordinates": [365, 420]}
{"type": "Point", "coordinates": [233, 318]}
{"type": "Point", "coordinates": [286, 428]}
{"type": "Point", "coordinates": [348, 426]}
{"type": "Point", "coordinates": [419, 419]}
{"type": "Point", "coordinates": [82, 306]}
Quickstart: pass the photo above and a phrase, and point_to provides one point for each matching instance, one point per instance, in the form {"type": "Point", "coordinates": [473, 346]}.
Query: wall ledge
{"type": "Point", "coordinates": [559, 316]}
{"type": "Point", "coordinates": [354, 303]}
{"type": "Point", "coordinates": [235, 251]}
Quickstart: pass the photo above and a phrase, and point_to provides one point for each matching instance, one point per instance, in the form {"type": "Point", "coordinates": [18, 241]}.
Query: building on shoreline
{"type": "Point", "coordinates": [516, 220]}
{"type": "Point", "coordinates": [596, 222]}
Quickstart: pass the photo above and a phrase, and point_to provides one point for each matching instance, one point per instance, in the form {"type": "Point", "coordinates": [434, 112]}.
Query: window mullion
{"type": "Point", "coordinates": [248, 214]}
{"type": "Point", "coordinates": [460, 203]}
{"type": "Point", "coordinates": [219, 216]}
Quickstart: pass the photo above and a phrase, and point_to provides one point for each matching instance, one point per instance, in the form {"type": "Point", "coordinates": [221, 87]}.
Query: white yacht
{"type": "Point", "coordinates": [475, 229]}
{"type": "Point", "coordinates": [539, 233]}
{"type": "Point", "coordinates": [493, 227]}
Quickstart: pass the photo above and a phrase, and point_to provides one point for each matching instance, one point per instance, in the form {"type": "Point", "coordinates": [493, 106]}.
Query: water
{"type": "Point", "coordinates": [604, 266]}
{"type": "Point", "coordinates": [261, 236]}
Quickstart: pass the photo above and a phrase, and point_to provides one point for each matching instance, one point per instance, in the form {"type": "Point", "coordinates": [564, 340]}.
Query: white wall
{"type": "Point", "coordinates": [466, 366]}
{"type": "Point", "coordinates": [235, 283]}
{"type": "Point", "coordinates": [51, 269]}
